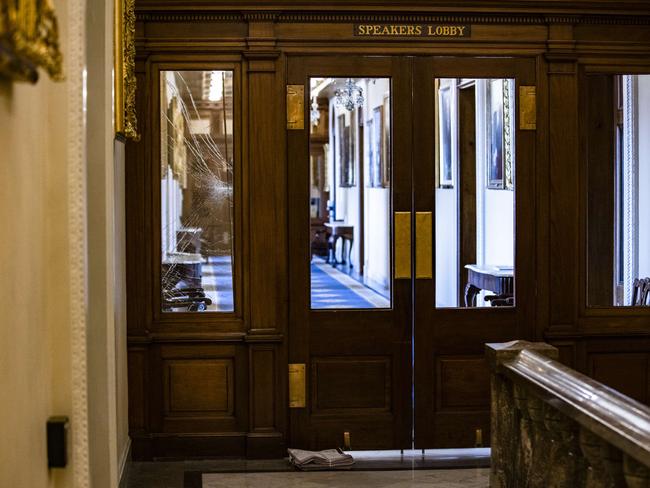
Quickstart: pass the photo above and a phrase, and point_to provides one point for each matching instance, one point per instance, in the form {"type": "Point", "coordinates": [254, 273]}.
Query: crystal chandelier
{"type": "Point", "coordinates": [350, 96]}
{"type": "Point", "coordinates": [314, 114]}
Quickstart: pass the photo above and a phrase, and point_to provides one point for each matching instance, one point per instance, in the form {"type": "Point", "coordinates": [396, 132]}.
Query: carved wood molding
{"type": "Point", "coordinates": [337, 17]}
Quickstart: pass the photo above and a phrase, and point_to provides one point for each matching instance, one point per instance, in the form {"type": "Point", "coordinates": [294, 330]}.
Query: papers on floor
{"type": "Point", "coordinates": [320, 460]}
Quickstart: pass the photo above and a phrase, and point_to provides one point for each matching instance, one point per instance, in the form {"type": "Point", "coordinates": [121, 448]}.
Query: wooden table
{"type": "Point", "coordinates": [339, 231]}
{"type": "Point", "coordinates": [497, 279]}
{"type": "Point", "coordinates": [189, 239]}
{"type": "Point", "coordinates": [182, 266]}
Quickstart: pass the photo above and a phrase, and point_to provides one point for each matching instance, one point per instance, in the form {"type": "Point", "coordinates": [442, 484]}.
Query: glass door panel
{"type": "Point", "coordinates": [350, 292]}
{"type": "Point", "coordinates": [474, 192]}
{"type": "Point", "coordinates": [474, 178]}
{"type": "Point", "coordinates": [350, 193]}
{"type": "Point", "coordinates": [197, 154]}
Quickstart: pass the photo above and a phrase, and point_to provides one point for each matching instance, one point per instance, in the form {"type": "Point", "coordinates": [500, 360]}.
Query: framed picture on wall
{"type": "Point", "coordinates": [386, 143]}
{"type": "Point", "coordinates": [346, 164]}
{"type": "Point", "coordinates": [495, 156]}
{"type": "Point", "coordinates": [508, 131]}
{"type": "Point", "coordinates": [369, 133]}
{"type": "Point", "coordinates": [446, 133]}
{"type": "Point", "coordinates": [376, 176]}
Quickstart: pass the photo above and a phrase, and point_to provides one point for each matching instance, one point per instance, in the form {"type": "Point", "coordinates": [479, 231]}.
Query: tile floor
{"type": "Point", "coordinates": [376, 469]}
{"type": "Point", "coordinates": [443, 478]}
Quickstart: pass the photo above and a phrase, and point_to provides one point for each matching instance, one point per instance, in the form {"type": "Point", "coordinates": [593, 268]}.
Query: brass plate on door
{"type": "Point", "coordinates": [297, 386]}
{"type": "Point", "coordinates": [528, 107]}
{"type": "Point", "coordinates": [295, 107]}
{"type": "Point", "coordinates": [423, 245]}
{"type": "Point", "coordinates": [402, 245]}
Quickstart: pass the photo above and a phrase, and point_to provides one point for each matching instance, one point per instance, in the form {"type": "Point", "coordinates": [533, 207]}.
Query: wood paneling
{"type": "Point", "coordinates": [264, 386]}
{"type": "Point", "coordinates": [626, 372]}
{"type": "Point", "coordinates": [464, 383]}
{"type": "Point", "coordinates": [137, 388]}
{"type": "Point", "coordinates": [350, 385]}
{"type": "Point", "coordinates": [599, 122]}
{"type": "Point", "coordinates": [199, 387]}
{"type": "Point", "coordinates": [563, 110]}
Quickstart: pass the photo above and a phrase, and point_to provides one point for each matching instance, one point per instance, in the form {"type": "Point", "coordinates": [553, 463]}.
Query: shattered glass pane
{"type": "Point", "coordinates": [197, 224]}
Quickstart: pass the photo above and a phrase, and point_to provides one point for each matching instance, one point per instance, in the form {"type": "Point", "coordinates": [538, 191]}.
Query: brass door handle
{"type": "Point", "coordinates": [423, 245]}
{"type": "Point", "coordinates": [402, 245]}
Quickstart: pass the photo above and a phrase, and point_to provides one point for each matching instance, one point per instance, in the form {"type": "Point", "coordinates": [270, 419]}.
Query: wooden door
{"type": "Point", "coordinates": [451, 386]}
{"type": "Point", "coordinates": [357, 354]}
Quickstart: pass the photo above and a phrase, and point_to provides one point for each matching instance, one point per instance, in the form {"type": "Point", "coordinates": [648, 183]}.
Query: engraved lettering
{"type": "Point", "coordinates": [412, 30]}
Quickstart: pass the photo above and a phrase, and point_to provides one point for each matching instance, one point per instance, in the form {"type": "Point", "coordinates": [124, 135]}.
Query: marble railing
{"type": "Point", "coordinates": [554, 427]}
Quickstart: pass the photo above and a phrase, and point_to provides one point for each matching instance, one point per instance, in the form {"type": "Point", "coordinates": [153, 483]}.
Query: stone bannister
{"type": "Point", "coordinates": [553, 427]}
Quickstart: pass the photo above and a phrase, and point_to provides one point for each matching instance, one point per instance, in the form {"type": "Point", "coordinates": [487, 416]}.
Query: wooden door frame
{"type": "Point", "coordinates": [450, 335]}
{"type": "Point", "coordinates": [337, 325]}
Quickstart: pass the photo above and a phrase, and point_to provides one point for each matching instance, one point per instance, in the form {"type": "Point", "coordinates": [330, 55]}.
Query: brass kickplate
{"type": "Point", "coordinates": [295, 107]}
{"type": "Point", "coordinates": [528, 107]}
{"type": "Point", "coordinates": [297, 386]}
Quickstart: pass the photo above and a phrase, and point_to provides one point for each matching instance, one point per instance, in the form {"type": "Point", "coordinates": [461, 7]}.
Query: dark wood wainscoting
{"type": "Point", "coordinates": [216, 384]}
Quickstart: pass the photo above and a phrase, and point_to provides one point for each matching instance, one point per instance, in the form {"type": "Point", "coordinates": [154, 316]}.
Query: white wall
{"type": "Point", "coordinates": [107, 395]}
{"type": "Point", "coordinates": [377, 204]}
{"type": "Point", "coordinates": [644, 173]}
{"type": "Point", "coordinates": [495, 215]}
{"type": "Point", "coordinates": [446, 234]}
{"type": "Point", "coordinates": [499, 227]}
{"type": "Point", "coordinates": [377, 215]}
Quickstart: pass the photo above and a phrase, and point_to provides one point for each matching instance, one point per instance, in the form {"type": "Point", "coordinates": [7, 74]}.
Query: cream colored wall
{"type": "Point", "coordinates": [35, 368]}
{"type": "Point", "coordinates": [62, 265]}
{"type": "Point", "coordinates": [123, 441]}
{"type": "Point", "coordinates": [107, 385]}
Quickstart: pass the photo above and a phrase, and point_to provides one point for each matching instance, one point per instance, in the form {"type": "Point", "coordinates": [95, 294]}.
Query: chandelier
{"type": "Point", "coordinates": [350, 96]}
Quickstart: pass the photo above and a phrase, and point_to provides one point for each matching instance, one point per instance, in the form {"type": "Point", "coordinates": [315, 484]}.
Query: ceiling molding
{"type": "Point", "coordinates": [342, 17]}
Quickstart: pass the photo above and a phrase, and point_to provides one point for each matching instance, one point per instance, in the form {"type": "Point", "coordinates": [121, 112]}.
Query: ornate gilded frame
{"type": "Point", "coordinates": [125, 80]}
{"type": "Point", "coordinates": [29, 39]}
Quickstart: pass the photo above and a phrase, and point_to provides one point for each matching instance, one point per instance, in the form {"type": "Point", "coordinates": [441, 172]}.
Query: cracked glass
{"type": "Point", "coordinates": [196, 164]}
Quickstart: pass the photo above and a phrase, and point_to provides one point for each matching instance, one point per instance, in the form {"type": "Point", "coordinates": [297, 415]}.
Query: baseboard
{"type": "Point", "coordinates": [175, 447]}
{"type": "Point", "coordinates": [124, 458]}
{"type": "Point", "coordinates": [268, 445]}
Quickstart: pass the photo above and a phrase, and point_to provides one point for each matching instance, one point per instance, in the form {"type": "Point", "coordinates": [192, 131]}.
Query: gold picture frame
{"type": "Point", "coordinates": [29, 39]}
{"type": "Point", "coordinates": [126, 124]}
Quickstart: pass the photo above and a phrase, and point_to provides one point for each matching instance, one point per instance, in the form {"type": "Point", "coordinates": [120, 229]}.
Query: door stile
{"type": "Point", "coordinates": [361, 339]}
{"type": "Point", "coordinates": [451, 379]}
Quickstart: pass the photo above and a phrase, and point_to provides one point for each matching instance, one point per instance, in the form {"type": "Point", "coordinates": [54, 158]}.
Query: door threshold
{"type": "Point", "coordinates": [422, 459]}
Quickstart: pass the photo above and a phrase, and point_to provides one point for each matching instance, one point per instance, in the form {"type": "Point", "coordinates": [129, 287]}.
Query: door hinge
{"type": "Point", "coordinates": [295, 107]}
{"type": "Point", "coordinates": [528, 107]}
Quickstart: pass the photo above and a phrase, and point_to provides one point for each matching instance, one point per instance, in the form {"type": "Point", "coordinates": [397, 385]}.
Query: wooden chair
{"type": "Point", "coordinates": [640, 292]}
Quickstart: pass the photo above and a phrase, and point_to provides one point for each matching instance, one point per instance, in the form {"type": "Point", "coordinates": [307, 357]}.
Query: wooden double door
{"type": "Point", "coordinates": [393, 358]}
